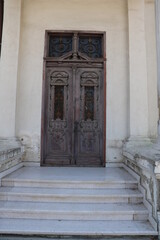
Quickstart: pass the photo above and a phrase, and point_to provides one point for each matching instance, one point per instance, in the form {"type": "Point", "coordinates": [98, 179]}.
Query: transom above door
{"type": "Point", "coordinates": [73, 115]}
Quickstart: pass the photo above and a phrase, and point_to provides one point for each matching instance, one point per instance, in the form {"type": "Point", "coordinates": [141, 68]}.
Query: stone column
{"type": "Point", "coordinates": [157, 2]}
{"type": "Point", "coordinates": [137, 72]}
{"type": "Point", "coordinates": [9, 67]}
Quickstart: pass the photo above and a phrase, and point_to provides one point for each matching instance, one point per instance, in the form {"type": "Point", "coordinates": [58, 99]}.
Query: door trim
{"type": "Point", "coordinates": [44, 88]}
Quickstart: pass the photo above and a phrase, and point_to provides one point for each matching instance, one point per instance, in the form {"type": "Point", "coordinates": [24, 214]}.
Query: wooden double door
{"type": "Point", "coordinates": [73, 132]}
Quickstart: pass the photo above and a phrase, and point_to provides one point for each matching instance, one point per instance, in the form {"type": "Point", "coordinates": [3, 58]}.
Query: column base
{"type": "Point", "coordinates": [9, 143]}
{"type": "Point", "coordinates": [138, 141]}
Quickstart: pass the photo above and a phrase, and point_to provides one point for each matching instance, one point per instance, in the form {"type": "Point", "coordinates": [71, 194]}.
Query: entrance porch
{"type": "Point", "coordinates": [122, 113]}
{"type": "Point", "coordinates": [73, 202]}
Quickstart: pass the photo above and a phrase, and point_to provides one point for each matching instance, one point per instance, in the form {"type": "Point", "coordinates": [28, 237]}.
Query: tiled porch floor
{"type": "Point", "coordinates": [71, 173]}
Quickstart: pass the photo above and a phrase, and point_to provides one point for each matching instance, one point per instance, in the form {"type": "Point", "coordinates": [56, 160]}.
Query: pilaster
{"type": "Point", "coordinates": [137, 72]}
{"type": "Point", "coordinates": [157, 3]}
{"type": "Point", "coordinates": [9, 67]}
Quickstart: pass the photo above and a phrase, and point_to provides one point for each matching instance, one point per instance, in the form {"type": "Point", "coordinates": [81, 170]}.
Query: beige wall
{"type": "Point", "coordinates": [9, 67]}
{"type": "Point", "coordinates": [104, 15]}
{"type": "Point", "coordinates": [150, 28]}
{"type": "Point", "coordinates": [39, 15]}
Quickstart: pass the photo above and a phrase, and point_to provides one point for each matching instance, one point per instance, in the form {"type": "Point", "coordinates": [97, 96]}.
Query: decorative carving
{"type": "Point", "coordinates": [89, 103]}
{"type": "Point", "coordinates": [73, 119]}
{"type": "Point", "coordinates": [89, 95]}
{"type": "Point", "coordinates": [59, 102]}
{"type": "Point", "coordinates": [59, 45]}
{"type": "Point", "coordinates": [59, 78]}
{"type": "Point", "coordinates": [57, 125]}
{"type": "Point", "coordinates": [88, 142]}
{"type": "Point", "coordinates": [58, 139]}
{"type": "Point", "coordinates": [89, 126]}
{"type": "Point", "coordinates": [89, 79]}
{"type": "Point", "coordinates": [73, 47]}
{"type": "Point", "coordinates": [58, 94]}
{"type": "Point", "coordinates": [91, 46]}
{"type": "Point", "coordinates": [89, 130]}
{"type": "Point", "coordinates": [57, 130]}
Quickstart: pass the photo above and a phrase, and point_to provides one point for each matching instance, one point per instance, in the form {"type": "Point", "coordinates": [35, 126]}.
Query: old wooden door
{"type": "Point", "coordinates": [73, 114]}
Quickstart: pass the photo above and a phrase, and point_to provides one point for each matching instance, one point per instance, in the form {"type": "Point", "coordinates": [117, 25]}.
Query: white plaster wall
{"type": "Point", "coordinates": [157, 4]}
{"type": "Point", "coordinates": [103, 15]}
{"type": "Point", "coordinates": [150, 28]}
{"type": "Point", "coordinates": [9, 67]}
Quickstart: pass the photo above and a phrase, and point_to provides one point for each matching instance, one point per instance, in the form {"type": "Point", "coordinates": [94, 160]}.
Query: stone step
{"type": "Point", "coordinates": [13, 182]}
{"type": "Point", "coordinates": [76, 228]}
{"type": "Point", "coordinates": [73, 211]}
{"type": "Point", "coordinates": [67, 177]}
{"type": "Point", "coordinates": [21, 237]}
{"type": "Point", "coordinates": [70, 195]}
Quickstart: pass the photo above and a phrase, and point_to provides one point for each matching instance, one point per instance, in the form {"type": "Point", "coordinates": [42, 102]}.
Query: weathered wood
{"type": "Point", "coordinates": [73, 114]}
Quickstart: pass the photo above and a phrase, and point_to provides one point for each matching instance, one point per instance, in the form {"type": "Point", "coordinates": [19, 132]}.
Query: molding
{"type": "Point", "coordinates": [136, 141]}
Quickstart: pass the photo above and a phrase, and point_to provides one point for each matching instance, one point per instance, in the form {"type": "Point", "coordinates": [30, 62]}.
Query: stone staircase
{"type": "Point", "coordinates": [72, 206]}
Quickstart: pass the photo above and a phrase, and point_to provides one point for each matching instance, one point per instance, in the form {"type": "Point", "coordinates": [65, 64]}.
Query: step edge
{"type": "Point", "coordinates": [76, 212]}
{"type": "Point", "coordinates": [72, 196]}
{"type": "Point", "coordinates": [102, 234]}
{"type": "Point", "coordinates": [69, 181]}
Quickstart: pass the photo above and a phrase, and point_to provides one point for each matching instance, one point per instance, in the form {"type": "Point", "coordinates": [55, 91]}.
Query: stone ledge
{"type": "Point", "coordinates": [146, 156]}
{"type": "Point", "coordinates": [144, 160]}
{"type": "Point", "coordinates": [150, 153]}
{"type": "Point", "coordinates": [9, 153]}
{"type": "Point", "coordinates": [10, 156]}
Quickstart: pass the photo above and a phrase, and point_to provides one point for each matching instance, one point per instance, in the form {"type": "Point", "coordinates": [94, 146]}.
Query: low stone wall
{"type": "Point", "coordinates": [10, 158]}
{"type": "Point", "coordinates": [144, 165]}
{"type": "Point", "coordinates": [11, 154]}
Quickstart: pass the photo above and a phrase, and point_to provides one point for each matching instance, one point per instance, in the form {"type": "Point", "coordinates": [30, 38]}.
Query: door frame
{"type": "Point", "coordinates": [44, 87]}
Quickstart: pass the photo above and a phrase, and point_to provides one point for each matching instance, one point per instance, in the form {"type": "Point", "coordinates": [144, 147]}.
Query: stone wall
{"type": "Point", "coordinates": [11, 154]}
{"type": "Point", "coordinates": [10, 158]}
{"type": "Point", "coordinates": [143, 161]}
{"type": "Point", "coordinates": [40, 15]}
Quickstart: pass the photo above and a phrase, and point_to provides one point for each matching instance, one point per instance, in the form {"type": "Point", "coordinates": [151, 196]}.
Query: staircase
{"type": "Point", "coordinates": [70, 202]}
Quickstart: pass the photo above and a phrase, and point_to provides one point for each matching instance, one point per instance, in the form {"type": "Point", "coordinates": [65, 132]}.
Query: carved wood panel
{"type": "Point", "coordinates": [73, 110]}
{"type": "Point", "coordinates": [59, 121]}
{"type": "Point", "coordinates": [89, 118]}
{"type": "Point", "coordinates": [74, 116]}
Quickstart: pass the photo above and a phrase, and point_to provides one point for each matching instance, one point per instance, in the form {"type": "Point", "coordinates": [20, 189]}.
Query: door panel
{"type": "Point", "coordinates": [59, 118]}
{"type": "Point", "coordinates": [89, 127]}
{"type": "Point", "coordinates": [74, 119]}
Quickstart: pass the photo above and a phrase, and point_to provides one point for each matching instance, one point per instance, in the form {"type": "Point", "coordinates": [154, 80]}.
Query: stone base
{"type": "Point", "coordinates": [11, 153]}
{"type": "Point", "coordinates": [9, 143]}
{"type": "Point", "coordinates": [137, 141]}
